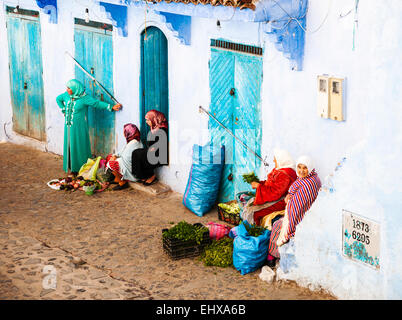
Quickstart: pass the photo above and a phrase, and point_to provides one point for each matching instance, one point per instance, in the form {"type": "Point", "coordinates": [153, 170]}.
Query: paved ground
{"type": "Point", "coordinates": [62, 245]}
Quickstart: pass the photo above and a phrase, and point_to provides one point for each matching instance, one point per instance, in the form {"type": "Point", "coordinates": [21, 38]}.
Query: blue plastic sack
{"type": "Point", "coordinates": [249, 252]}
{"type": "Point", "coordinates": [233, 232]}
{"type": "Point", "coordinates": [204, 178]}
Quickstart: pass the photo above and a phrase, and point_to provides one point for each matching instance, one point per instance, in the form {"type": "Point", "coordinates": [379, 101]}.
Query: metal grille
{"type": "Point", "coordinates": [22, 11]}
{"type": "Point", "coordinates": [236, 47]}
{"type": "Point", "coordinates": [93, 24]}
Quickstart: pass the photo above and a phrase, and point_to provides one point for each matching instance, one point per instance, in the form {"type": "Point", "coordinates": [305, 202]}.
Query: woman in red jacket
{"type": "Point", "coordinates": [276, 187]}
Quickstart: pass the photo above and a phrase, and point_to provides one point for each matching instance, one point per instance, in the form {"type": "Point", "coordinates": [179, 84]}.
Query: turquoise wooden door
{"type": "Point", "coordinates": [235, 84]}
{"type": "Point", "coordinates": [94, 51]}
{"type": "Point", "coordinates": [26, 82]}
{"type": "Point", "coordinates": [154, 93]}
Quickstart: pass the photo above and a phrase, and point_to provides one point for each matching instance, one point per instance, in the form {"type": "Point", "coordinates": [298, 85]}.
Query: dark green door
{"type": "Point", "coordinates": [154, 76]}
{"type": "Point", "coordinates": [94, 51]}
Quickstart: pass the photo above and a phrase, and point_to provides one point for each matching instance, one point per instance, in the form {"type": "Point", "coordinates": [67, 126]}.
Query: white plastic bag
{"type": "Point", "coordinates": [267, 274]}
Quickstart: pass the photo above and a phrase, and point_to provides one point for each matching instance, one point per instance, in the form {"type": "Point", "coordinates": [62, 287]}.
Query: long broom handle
{"type": "Point", "coordinates": [93, 78]}
{"type": "Point", "coordinates": [201, 109]}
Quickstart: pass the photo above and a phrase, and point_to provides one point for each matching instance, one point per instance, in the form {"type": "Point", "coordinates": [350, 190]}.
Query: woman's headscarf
{"type": "Point", "coordinates": [283, 159]}
{"type": "Point", "coordinates": [157, 119]}
{"type": "Point", "coordinates": [77, 88]}
{"type": "Point", "coordinates": [307, 161]}
{"type": "Point", "coordinates": [131, 132]}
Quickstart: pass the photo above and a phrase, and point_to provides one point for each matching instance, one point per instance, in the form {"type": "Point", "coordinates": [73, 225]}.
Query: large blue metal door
{"type": "Point", "coordinates": [154, 76]}
{"type": "Point", "coordinates": [26, 82]}
{"type": "Point", "coordinates": [94, 51]}
{"type": "Point", "coordinates": [235, 82]}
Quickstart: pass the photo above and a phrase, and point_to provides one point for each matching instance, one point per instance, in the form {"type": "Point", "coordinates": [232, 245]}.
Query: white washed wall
{"type": "Point", "coordinates": [369, 184]}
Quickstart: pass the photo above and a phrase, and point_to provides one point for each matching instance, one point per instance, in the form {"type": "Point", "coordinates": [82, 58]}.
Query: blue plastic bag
{"type": "Point", "coordinates": [249, 252]}
{"type": "Point", "coordinates": [204, 178]}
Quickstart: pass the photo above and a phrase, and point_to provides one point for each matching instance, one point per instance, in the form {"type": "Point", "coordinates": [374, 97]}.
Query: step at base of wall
{"type": "Point", "coordinates": [155, 189]}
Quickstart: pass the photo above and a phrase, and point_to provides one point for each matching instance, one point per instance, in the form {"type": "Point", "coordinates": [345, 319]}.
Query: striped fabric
{"type": "Point", "coordinates": [276, 230]}
{"type": "Point", "coordinates": [303, 193]}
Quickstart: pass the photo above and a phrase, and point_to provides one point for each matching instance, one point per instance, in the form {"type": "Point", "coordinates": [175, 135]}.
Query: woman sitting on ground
{"type": "Point", "coordinates": [120, 164]}
{"type": "Point", "coordinates": [156, 154]}
{"type": "Point", "coordinates": [302, 194]}
{"type": "Point", "coordinates": [275, 188]}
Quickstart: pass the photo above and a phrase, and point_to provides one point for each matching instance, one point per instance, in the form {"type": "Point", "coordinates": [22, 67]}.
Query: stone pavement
{"type": "Point", "coordinates": [37, 271]}
{"type": "Point", "coordinates": [67, 245]}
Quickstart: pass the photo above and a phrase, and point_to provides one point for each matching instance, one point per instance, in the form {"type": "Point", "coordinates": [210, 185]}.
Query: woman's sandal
{"type": "Point", "coordinates": [150, 183]}
{"type": "Point", "coordinates": [120, 187]}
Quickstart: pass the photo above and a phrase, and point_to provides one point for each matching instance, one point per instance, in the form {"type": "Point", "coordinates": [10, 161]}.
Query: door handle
{"type": "Point", "coordinates": [230, 177]}
{"type": "Point", "coordinates": [25, 85]}
{"type": "Point", "coordinates": [232, 92]}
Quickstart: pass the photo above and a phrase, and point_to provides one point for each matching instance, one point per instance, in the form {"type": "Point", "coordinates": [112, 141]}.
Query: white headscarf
{"type": "Point", "coordinates": [283, 159]}
{"type": "Point", "coordinates": [307, 161]}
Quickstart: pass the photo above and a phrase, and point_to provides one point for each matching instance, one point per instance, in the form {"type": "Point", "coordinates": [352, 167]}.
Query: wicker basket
{"type": "Point", "coordinates": [228, 216]}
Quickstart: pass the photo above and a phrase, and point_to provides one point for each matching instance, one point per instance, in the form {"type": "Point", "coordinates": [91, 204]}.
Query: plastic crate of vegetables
{"type": "Point", "coordinates": [185, 240]}
{"type": "Point", "coordinates": [229, 212]}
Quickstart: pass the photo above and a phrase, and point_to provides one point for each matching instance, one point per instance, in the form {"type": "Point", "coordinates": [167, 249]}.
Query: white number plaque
{"type": "Point", "coordinates": [361, 239]}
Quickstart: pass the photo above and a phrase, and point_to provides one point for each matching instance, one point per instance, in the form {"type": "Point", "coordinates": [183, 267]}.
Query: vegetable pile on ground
{"type": "Point", "coordinates": [186, 232]}
{"type": "Point", "coordinates": [219, 253]}
{"type": "Point", "coordinates": [254, 230]}
{"type": "Point", "coordinates": [230, 207]}
{"type": "Point", "coordinates": [250, 177]}
{"type": "Point", "coordinates": [73, 183]}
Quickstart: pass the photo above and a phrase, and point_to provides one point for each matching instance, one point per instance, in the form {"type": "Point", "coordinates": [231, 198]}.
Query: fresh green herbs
{"type": "Point", "coordinates": [250, 177]}
{"type": "Point", "coordinates": [254, 230]}
{"type": "Point", "coordinates": [186, 232]}
{"type": "Point", "coordinates": [219, 253]}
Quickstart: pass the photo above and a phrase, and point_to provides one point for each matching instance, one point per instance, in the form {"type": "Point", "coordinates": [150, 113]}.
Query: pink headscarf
{"type": "Point", "coordinates": [157, 119]}
{"type": "Point", "coordinates": [131, 132]}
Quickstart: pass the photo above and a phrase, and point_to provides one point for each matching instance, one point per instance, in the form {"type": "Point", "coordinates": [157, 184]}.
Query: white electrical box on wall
{"type": "Point", "coordinates": [336, 99]}
{"type": "Point", "coordinates": [331, 97]}
{"type": "Point", "coordinates": [323, 96]}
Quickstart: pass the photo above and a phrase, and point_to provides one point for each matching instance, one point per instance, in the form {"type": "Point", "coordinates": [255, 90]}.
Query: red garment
{"type": "Point", "coordinates": [114, 165]}
{"type": "Point", "coordinates": [258, 215]}
{"type": "Point", "coordinates": [276, 186]}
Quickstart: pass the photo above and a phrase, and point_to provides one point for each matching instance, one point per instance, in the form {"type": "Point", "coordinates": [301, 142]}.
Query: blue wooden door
{"type": "Point", "coordinates": [235, 82]}
{"type": "Point", "coordinates": [94, 51]}
{"type": "Point", "coordinates": [154, 76]}
{"type": "Point", "coordinates": [26, 82]}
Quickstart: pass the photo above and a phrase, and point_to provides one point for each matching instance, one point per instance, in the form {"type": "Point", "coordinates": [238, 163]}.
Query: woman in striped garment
{"type": "Point", "coordinates": [302, 194]}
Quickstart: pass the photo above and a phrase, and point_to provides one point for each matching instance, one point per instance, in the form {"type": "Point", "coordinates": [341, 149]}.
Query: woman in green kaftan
{"type": "Point", "coordinates": [74, 104]}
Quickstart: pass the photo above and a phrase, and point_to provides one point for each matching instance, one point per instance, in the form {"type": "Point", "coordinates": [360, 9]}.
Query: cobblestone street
{"type": "Point", "coordinates": [62, 245]}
